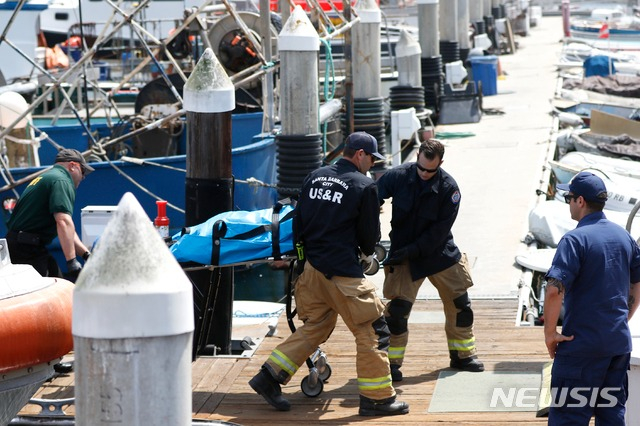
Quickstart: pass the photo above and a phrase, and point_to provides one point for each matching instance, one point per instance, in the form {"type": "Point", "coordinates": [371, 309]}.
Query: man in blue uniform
{"type": "Point", "coordinates": [338, 216]}
{"type": "Point", "coordinates": [596, 270]}
{"type": "Point", "coordinates": [425, 205]}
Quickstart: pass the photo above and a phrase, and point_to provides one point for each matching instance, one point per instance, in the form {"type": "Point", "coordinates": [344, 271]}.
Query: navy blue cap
{"type": "Point", "coordinates": [588, 185]}
{"type": "Point", "coordinates": [364, 141]}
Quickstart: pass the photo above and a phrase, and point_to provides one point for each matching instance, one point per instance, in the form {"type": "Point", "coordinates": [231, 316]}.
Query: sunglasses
{"type": "Point", "coordinates": [424, 169]}
{"type": "Point", "coordinates": [569, 197]}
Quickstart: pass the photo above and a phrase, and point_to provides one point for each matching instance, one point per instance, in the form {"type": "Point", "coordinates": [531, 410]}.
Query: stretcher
{"type": "Point", "coordinates": [243, 238]}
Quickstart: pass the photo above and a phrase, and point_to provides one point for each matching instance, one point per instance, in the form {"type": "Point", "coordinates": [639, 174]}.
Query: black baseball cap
{"type": "Point", "coordinates": [364, 141]}
{"type": "Point", "coordinates": [66, 155]}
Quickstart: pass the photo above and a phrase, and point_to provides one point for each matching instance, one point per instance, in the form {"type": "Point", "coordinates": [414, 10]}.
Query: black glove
{"type": "Point", "coordinates": [397, 257]}
{"type": "Point", "coordinates": [86, 255]}
{"type": "Point", "coordinates": [73, 270]}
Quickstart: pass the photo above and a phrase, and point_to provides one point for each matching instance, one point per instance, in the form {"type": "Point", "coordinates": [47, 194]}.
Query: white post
{"type": "Point", "coordinates": [132, 328]}
{"type": "Point", "coordinates": [448, 22]}
{"type": "Point", "coordinates": [428, 22]}
{"type": "Point", "coordinates": [299, 44]}
{"type": "Point", "coordinates": [367, 51]}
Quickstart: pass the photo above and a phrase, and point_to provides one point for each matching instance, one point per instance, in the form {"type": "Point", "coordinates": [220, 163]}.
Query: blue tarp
{"type": "Point", "coordinates": [236, 237]}
{"type": "Point", "coordinates": [598, 65]}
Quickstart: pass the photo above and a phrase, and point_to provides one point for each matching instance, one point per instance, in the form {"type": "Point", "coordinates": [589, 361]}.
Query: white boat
{"type": "Point", "coordinates": [623, 30]}
{"type": "Point", "coordinates": [550, 220]}
{"type": "Point", "coordinates": [574, 162]}
{"type": "Point", "coordinates": [537, 260]}
{"type": "Point", "coordinates": [575, 53]}
{"type": "Point", "coordinates": [62, 18]}
{"type": "Point", "coordinates": [623, 192]}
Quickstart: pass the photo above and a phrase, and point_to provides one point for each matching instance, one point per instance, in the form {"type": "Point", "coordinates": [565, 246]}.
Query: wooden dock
{"type": "Point", "coordinates": [221, 391]}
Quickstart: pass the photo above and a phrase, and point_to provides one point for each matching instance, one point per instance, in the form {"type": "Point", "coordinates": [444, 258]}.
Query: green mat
{"type": "Point", "coordinates": [459, 391]}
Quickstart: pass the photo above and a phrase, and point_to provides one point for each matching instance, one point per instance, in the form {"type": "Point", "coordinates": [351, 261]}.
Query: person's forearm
{"type": "Point", "coordinates": [81, 249]}
{"type": "Point", "coordinates": [66, 235]}
{"type": "Point", "coordinates": [552, 308]}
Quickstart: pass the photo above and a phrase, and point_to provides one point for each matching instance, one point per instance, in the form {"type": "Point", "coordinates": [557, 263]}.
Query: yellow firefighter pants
{"type": "Point", "coordinates": [319, 301]}
{"type": "Point", "coordinates": [451, 283]}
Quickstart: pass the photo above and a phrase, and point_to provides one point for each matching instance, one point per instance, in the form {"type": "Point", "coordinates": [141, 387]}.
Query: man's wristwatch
{"type": "Point", "coordinates": [86, 255]}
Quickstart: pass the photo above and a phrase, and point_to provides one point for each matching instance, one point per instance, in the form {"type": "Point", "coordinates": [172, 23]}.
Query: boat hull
{"type": "Point", "coordinates": [252, 157]}
{"type": "Point", "coordinates": [35, 331]}
{"type": "Point", "coordinates": [35, 327]}
{"type": "Point", "coordinates": [17, 388]}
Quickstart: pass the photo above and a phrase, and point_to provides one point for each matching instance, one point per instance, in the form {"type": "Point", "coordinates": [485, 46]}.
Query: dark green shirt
{"type": "Point", "coordinates": [50, 193]}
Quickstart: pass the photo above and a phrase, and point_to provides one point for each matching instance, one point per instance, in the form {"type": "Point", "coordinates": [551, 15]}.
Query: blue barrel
{"type": "Point", "coordinates": [485, 70]}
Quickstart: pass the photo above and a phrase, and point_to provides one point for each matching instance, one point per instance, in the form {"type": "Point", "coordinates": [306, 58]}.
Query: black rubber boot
{"type": "Point", "coordinates": [383, 407]}
{"type": "Point", "coordinates": [63, 367]}
{"type": "Point", "coordinates": [471, 364]}
{"type": "Point", "coordinates": [396, 374]}
{"type": "Point", "coordinates": [267, 387]}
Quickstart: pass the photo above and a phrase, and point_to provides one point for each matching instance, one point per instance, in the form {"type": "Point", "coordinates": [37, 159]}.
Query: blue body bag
{"type": "Point", "coordinates": [237, 237]}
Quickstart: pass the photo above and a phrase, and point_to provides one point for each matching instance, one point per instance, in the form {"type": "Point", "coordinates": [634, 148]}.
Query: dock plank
{"type": "Point", "coordinates": [221, 390]}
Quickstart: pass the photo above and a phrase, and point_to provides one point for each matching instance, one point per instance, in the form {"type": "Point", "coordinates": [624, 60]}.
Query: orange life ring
{"type": "Point", "coordinates": [36, 327]}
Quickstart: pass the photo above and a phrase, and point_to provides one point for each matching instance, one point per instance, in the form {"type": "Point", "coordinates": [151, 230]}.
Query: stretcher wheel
{"type": "Point", "coordinates": [381, 252]}
{"type": "Point", "coordinates": [325, 373]}
{"type": "Point", "coordinates": [309, 389]}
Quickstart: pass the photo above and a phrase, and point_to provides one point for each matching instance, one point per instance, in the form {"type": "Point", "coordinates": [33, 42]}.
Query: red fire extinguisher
{"type": "Point", "coordinates": [162, 221]}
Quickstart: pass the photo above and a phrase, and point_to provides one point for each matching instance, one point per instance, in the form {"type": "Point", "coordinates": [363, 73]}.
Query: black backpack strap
{"type": "Point", "coordinates": [275, 230]}
{"type": "Point", "coordinates": [219, 230]}
{"type": "Point", "coordinates": [275, 225]}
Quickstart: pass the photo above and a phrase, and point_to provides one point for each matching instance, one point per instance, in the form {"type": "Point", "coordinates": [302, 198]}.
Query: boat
{"type": "Point", "coordinates": [538, 260]}
{"type": "Point", "coordinates": [622, 146]}
{"type": "Point", "coordinates": [623, 29]}
{"type": "Point", "coordinates": [62, 19]}
{"type": "Point", "coordinates": [162, 177]}
{"type": "Point", "coordinates": [622, 191]}
{"type": "Point", "coordinates": [573, 162]}
{"type": "Point", "coordinates": [144, 151]}
{"type": "Point", "coordinates": [140, 150]}
{"type": "Point", "coordinates": [550, 220]}
{"type": "Point", "coordinates": [35, 331]}
{"type": "Point", "coordinates": [574, 54]}
{"type": "Point", "coordinates": [578, 7]}
{"type": "Point", "coordinates": [583, 109]}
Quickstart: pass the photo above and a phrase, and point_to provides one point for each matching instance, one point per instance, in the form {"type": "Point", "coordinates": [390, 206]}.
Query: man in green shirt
{"type": "Point", "coordinates": [45, 211]}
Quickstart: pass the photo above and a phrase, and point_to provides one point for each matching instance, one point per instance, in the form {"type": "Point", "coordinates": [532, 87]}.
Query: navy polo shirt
{"type": "Point", "coordinates": [596, 262]}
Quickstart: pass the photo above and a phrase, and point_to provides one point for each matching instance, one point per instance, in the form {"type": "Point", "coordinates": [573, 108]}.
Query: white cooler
{"type": "Point", "coordinates": [93, 221]}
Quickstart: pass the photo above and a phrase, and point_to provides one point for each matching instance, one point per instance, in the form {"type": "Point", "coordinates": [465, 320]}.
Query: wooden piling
{"type": "Point", "coordinates": [209, 98]}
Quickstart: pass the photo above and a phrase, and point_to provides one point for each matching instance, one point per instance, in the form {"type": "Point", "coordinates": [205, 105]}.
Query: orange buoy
{"type": "Point", "coordinates": [35, 326]}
